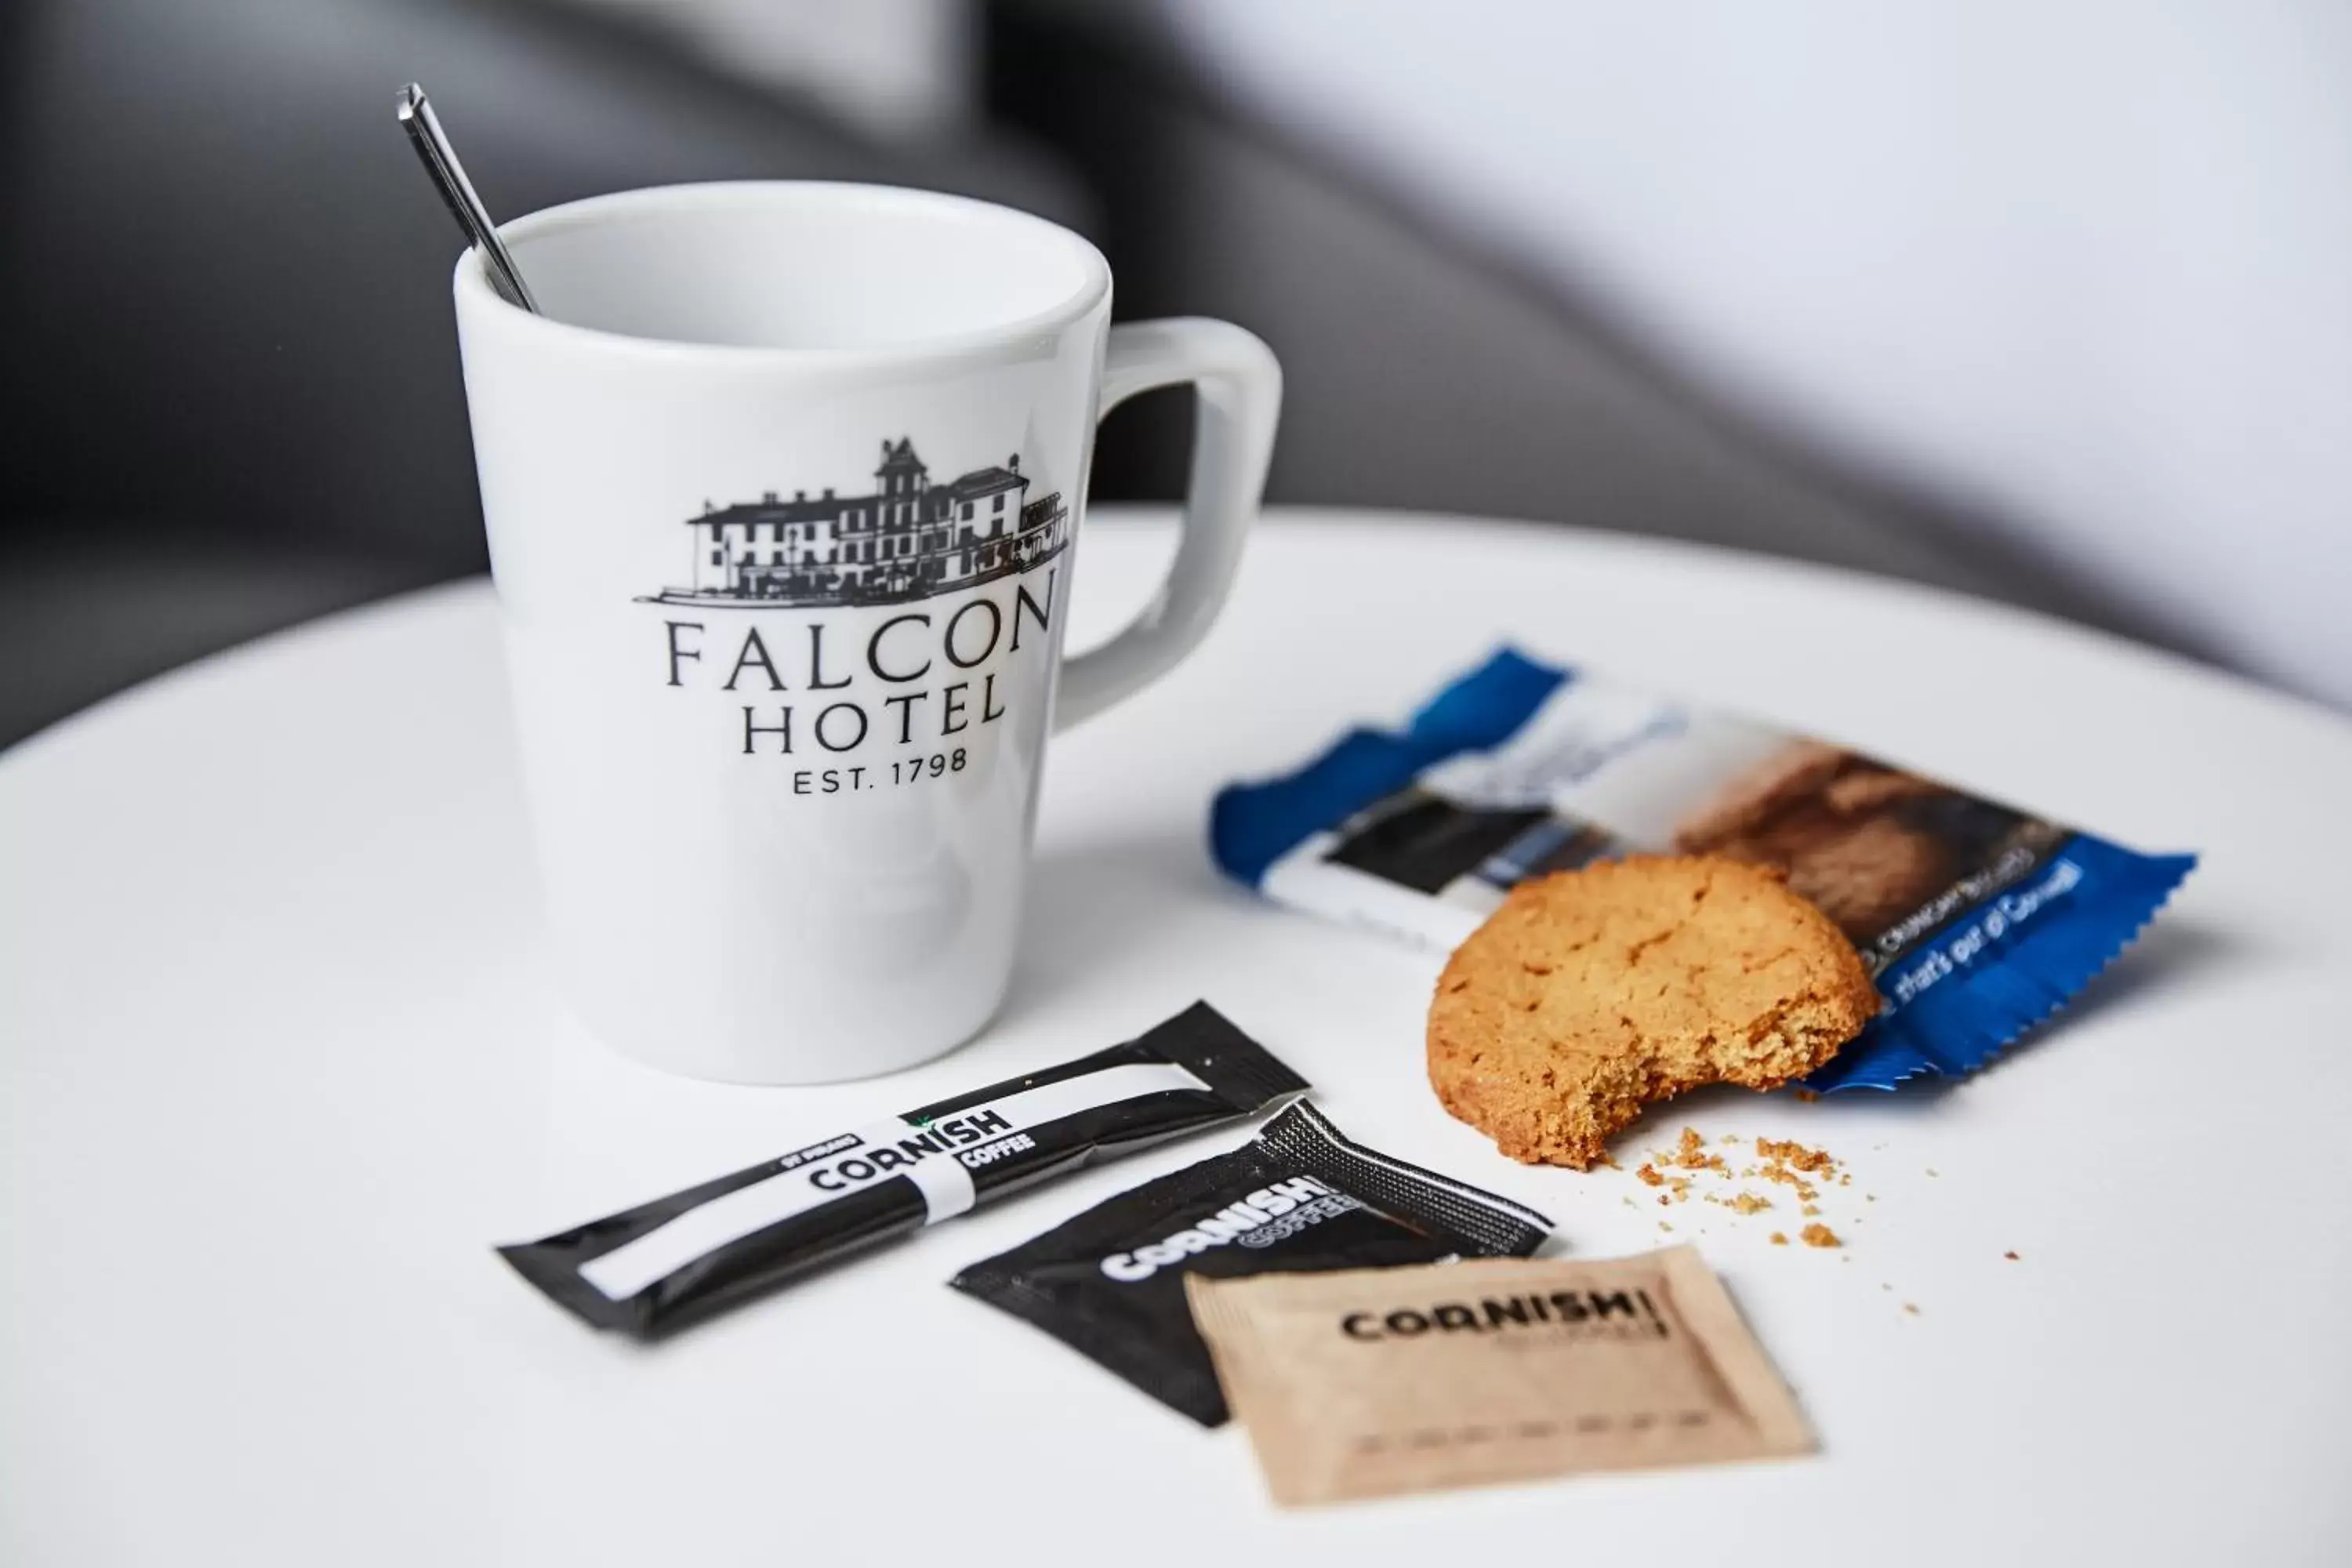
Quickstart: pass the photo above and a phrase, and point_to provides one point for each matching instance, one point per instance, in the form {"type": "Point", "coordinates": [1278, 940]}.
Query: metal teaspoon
{"type": "Point", "coordinates": [440, 160]}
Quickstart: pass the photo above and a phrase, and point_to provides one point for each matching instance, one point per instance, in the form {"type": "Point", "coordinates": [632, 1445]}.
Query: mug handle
{"type": "Point", "coordinates": [1241, 393]}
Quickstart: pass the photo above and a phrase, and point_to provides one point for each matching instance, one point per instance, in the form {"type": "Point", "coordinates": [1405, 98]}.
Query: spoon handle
{"type": "Point", "coordinates": [440, 160]}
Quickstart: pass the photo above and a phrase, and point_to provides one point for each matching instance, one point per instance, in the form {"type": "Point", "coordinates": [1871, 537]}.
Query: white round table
{"type": "Point", "coordinates": [279, 1063]}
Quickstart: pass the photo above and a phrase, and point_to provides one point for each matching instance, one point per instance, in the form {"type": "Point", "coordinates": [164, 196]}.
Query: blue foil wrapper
{"type": "Point", "coordinates": [1977, 920]}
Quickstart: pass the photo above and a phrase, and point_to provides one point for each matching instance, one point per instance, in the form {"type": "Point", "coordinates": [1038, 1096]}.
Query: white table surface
{"type": "Point", "coordinates": [278, 1062]}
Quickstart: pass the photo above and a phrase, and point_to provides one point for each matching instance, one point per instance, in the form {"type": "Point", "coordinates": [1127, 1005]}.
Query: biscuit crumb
{"type": "Point", "coordinates": [1691, 1154]}
{"type": "Point", "coordinates": [1795, 1154]}
{"type": "Point", "coordinates": [1786, 1163]}
{"type": "Point", "coordinates": [2011, 1256]}
{"type": "Point", "coordinates": [1810, 1096]}
{"type": "Point", "coordinates": [1663, 1226]}
{"type": "Point", "coordinates": [1912, 1307]}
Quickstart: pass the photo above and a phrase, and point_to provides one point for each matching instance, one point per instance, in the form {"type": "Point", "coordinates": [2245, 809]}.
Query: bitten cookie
{"type": "Point", "coordinates": [1591, 994]}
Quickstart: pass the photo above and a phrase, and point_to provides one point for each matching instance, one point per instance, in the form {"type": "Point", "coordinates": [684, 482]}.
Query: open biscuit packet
{"type": "Point", "coordinates": [1976, 920]}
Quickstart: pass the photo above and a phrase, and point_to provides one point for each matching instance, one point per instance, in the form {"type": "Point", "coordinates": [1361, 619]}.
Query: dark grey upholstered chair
{"type": "Point", "coordinates": [230, 379]}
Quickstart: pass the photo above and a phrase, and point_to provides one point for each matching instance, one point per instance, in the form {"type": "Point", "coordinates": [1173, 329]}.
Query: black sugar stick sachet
{"type": "Point", "coordinates": [667, 1263]}
{"type": "Point", "coordinates": [1298, 1198]}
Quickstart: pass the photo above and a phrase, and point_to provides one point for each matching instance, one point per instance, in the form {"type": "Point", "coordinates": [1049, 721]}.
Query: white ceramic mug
{"type": "Point", "coordinates": [784, 491]}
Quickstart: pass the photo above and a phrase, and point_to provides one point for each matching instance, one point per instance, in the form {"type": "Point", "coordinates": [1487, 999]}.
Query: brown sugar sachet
{"type": "Point", "coordinates": [1379, 1381]}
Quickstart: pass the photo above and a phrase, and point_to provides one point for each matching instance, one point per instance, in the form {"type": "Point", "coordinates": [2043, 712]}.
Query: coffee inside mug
{"type": "Point", "coordinates": [801, 266]}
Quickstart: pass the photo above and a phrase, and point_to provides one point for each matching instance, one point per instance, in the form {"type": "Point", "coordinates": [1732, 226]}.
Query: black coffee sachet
{"type": "Point", "coordinates": [1298, 1198]}
{"type": "Point", "coordinates": [665, 1263]}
